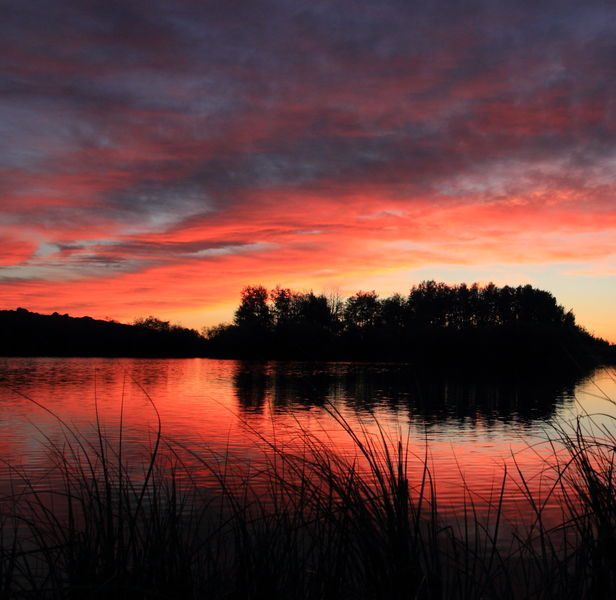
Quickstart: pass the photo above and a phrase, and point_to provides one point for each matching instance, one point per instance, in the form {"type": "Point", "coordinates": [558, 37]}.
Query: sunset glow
{"type": "Point", "coordinates": [156, 157]}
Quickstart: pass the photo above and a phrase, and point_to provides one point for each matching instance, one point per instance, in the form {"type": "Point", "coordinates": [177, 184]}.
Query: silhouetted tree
{"type": "Point", "coordinates": [394, 312]}
{"type": "Point", "coordinates": [429, 303]}
{"type": "Point", "coordinates": [253, 312]}
{"type": "Point", "coordinates": [284, 309]}
{"type": "Point", "coordinates": [314, 311]}
{"type": "Point", "coordinates": [336, 310]}
{"type": "Point", "coordinates": [152, 323]}
{"type": "Point", "coordinates": [362, 311]}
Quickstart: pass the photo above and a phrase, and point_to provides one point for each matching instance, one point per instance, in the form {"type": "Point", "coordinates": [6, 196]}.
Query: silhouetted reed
{"type": "Point", "coordinates": [306, 520]}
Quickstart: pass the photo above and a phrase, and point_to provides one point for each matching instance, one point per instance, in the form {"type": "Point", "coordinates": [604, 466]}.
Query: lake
{"type": "Point", "coordinates": [468, 429]}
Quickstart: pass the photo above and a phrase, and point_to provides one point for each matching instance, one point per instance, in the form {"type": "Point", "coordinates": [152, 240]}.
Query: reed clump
{"type": "Point", "coordinates": [305, 521]}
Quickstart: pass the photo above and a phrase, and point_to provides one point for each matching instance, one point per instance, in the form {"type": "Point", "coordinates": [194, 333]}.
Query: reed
{"type": "Point", "coordinates": [588, 486]}
{"type": "Point", "coordinates": [305, 521]}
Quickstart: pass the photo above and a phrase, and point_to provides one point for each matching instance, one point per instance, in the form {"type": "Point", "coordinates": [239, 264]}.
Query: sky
{"type": "Point", "coordinates": [157, 156]}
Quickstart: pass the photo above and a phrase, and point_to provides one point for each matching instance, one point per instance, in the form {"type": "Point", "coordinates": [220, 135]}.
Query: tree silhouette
{"type": "Point", "coordinates": [152, 323]}
{"type": "Point", "coordinates": [254, 313]}
{"type": "Point", "coordinates": [33, 334]}
{"type": "Point", "coordinates": [284, 309]}
{"type": "Point", "coordinates": [362, 311]}
{"type": "Point", "coordinates": [435, 322]}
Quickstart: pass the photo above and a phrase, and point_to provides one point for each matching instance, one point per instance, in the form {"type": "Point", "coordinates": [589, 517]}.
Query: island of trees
{"type": "Point", "coordinates": [435, 324]}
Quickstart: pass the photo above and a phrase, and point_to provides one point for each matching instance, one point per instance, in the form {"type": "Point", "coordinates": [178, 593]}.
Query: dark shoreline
{"type": "Point", "coordinates": [503, 349]}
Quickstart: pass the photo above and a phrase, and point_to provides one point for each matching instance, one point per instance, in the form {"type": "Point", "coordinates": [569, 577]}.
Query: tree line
{"type": "Point", "coordinates": [434, 324]}
{"type": "Point", "coordinates": [434, 321]}
{"type": "Point", "coordinates": [26, 333]}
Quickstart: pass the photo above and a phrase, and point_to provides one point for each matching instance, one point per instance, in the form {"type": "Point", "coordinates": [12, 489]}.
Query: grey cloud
{"type": "Point", "coordinates": [180, 80]}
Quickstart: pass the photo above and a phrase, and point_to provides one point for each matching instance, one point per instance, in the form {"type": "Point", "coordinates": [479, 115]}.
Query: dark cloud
{"type": "Point", "coordinates": [132, 116]}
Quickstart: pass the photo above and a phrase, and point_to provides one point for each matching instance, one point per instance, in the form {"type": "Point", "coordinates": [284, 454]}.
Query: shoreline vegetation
{"type": "Point", "coordinates": [302, 522]}
{"type": "Point", "coordinates": [483, 328]}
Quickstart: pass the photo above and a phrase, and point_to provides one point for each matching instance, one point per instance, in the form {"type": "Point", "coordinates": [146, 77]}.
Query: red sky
{"type": "Point", "coordinates": [156, 157]}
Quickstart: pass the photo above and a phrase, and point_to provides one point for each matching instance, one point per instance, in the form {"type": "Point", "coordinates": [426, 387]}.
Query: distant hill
{"type": "Point", "coordinates": [26, 333]}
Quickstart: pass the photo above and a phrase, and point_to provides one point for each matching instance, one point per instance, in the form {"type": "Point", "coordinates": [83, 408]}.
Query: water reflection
{"type": "Point", "coordinates": [473, 426]}
{"type": "Point", "coordinates": [251, 386]}
{"type": "Point", "coordinates": [429, 396]}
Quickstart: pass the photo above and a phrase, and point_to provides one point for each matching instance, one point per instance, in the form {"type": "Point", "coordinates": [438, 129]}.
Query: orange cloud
{"type": "Point", "coordinates": [158, 161]}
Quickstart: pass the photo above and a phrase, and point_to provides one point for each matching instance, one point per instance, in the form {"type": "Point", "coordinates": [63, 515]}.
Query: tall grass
{"type": "Point", "coordinates": [587, 481]}
{"type": "Point", "coordinates": [305, 522]}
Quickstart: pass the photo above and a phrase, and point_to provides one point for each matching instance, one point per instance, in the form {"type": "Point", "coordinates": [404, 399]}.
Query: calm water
{"type": "Point", "coordinates": [470, 428]}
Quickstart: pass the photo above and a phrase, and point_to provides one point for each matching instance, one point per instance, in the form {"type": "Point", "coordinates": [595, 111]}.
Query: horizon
{"type": "Point", "coordinates": [156, 158]}
{"type": "Point", "coordinates": [335, 295]}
